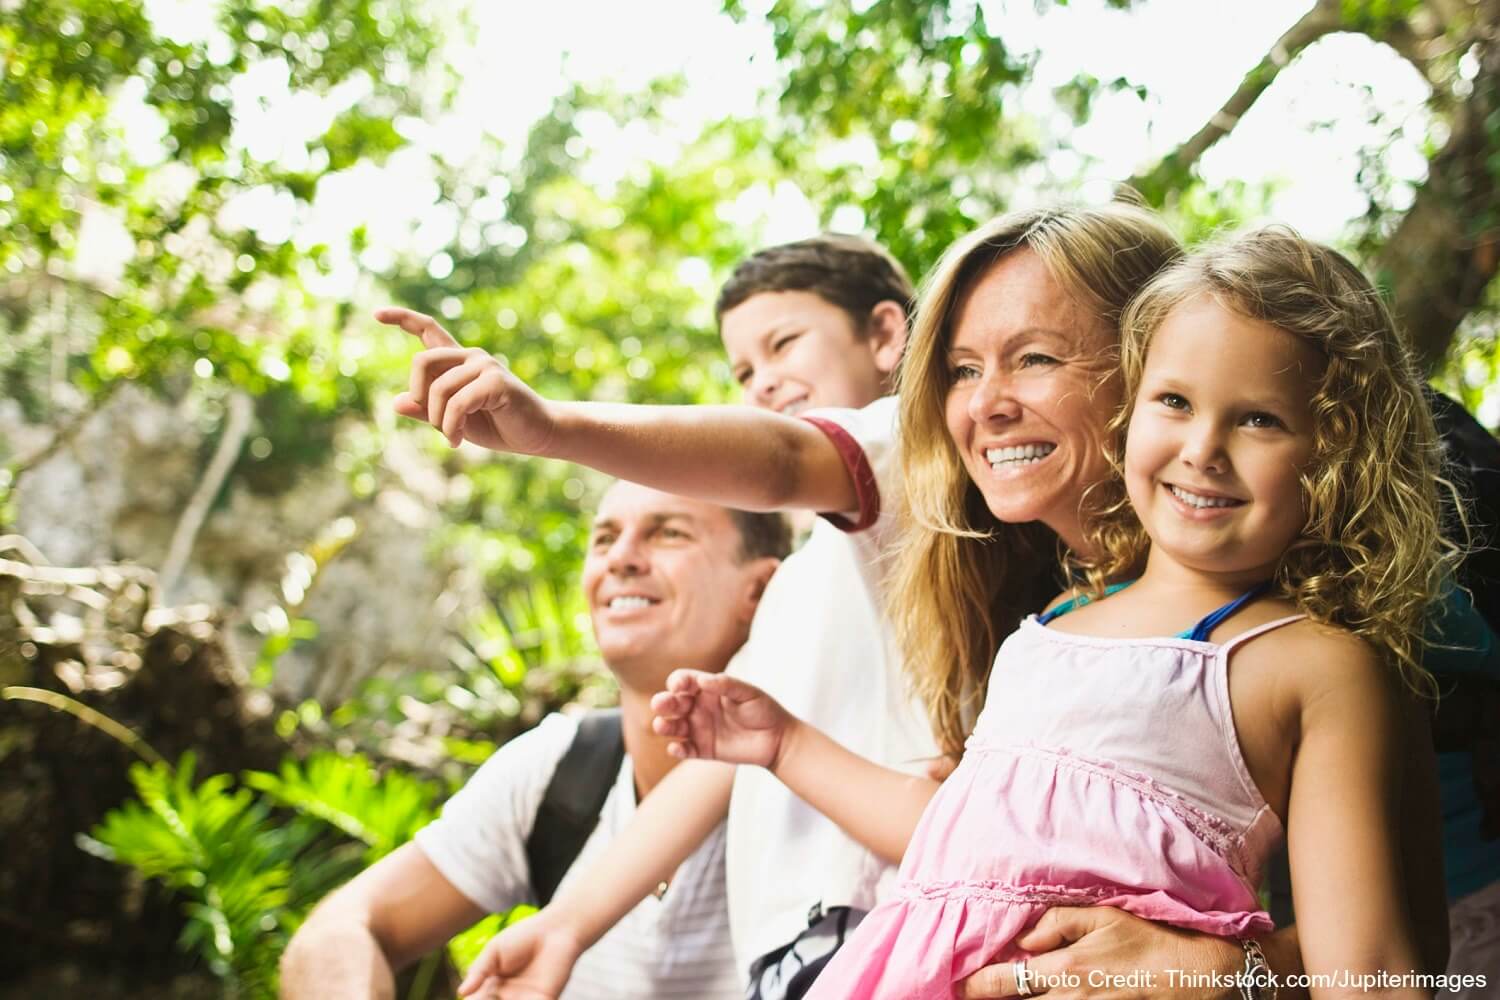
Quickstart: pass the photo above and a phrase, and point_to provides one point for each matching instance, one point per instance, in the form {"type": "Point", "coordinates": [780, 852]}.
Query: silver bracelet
{"type": "Point", "coordinates": [1256, 980]}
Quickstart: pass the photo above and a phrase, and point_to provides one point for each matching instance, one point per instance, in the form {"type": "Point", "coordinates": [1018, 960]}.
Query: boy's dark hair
{"type": "Point", "coordinates": [762, 535]}
{"type": "Point", "coordinates": [850, 272]}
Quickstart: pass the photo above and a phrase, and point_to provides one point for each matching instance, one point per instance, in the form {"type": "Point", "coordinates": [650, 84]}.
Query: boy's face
{"type": "Point", "coordinates": [792, 351]}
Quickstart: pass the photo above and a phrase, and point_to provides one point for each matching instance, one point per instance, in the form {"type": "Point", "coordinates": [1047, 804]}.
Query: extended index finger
{"type": "Point", "coordinates": [418, 324]}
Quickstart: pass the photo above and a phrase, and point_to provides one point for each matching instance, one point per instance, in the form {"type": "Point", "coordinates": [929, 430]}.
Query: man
{"type": "Point", "coordinates": [670, 582]}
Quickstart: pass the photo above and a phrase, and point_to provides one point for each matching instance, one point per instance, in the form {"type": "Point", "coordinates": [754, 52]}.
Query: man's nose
{"type": "Point", "coordinates": [627, 555]}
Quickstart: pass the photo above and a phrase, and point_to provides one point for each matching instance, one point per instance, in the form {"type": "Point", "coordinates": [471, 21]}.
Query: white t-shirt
{"type": "Point", "coordinates": [673, 947]}
{"type": "Point", "coordinates": [821, 646]}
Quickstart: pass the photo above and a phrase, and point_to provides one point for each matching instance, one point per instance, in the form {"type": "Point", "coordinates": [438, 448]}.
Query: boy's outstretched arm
{"type": "Point", "coordinates": [732, 455]}
{"type": "Point", "coordinates": [724, 718]}
{"type": "Point", "coordinates": [538, 954]}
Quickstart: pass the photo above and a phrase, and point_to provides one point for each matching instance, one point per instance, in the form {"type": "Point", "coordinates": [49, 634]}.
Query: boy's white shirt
{"type": "Point", "coordinates": [676, 947]}
{"type": "Point", "coordinates": [821, 646]}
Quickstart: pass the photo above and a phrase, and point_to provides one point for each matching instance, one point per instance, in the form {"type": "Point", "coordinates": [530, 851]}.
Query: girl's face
{"type": "Point", "coordinates": [1030, 394]}
{"type": "Point", "coordinates": [1220, 432]}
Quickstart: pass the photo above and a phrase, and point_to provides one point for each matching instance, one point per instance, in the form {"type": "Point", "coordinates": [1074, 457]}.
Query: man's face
{"type": "Point", "coordinates": [792, 351]}
{"type": "Point", "coordinates": [665, 584]}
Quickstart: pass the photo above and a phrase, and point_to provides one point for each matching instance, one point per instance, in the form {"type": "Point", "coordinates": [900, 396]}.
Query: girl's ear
{"type": "Point", "coordinates": [887, 334]}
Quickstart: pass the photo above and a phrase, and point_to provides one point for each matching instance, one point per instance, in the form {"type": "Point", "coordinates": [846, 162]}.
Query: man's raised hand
{"type": "Point", "coordinates": [467, 394]}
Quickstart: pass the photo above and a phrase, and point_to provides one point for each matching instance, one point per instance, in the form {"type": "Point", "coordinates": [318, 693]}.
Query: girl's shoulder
{"type": "Point", "coordinates": [1307, 653]}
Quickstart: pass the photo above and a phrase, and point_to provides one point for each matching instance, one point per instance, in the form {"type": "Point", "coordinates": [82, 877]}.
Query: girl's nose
{"type": "Point", "coordinates": [1203, 449]}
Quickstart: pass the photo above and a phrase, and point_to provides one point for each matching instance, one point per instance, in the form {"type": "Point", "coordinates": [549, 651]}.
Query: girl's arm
{"type": "Point", "coordinates": [731, 455]}
{"type": "Point", "coordinates": [536, 956]}
{"type": "Point", "coordinates": [724, 718]}
{"type": "Point", "coordinates": [1344, 823]}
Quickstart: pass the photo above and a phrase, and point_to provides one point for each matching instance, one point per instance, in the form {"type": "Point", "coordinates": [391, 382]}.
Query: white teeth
{"type": "Point", "coordinates": [629, 603]}
{"type": "Point", "coordinates": [1195, 500]}
{"type": "Point", "coordinates": [1022, 454]}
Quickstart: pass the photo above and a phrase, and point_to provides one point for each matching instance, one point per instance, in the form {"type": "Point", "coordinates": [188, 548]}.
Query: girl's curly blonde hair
{"type": "Point", "coordinates": [961, 580]}
{"type": "Point", "coordinates": [1371, 555]}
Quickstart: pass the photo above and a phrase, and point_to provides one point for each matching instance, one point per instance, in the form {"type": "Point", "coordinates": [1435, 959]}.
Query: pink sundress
{"type": "Point", "coordinates": [1102, 772]}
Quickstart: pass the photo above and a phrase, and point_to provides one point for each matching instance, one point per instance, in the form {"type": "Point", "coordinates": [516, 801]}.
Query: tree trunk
{"type": "Point", "coordinates": [1443, 255]}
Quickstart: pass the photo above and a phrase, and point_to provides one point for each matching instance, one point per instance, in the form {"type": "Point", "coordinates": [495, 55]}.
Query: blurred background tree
{"type": "Point", "coordinates": [207, 502]}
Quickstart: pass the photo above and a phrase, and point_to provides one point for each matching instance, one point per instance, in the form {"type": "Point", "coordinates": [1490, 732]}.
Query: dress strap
{"type": "Point", "coordinates": [1249, 634]}
{"type": "Point", "coordinates": [1073, 603]}
{"type": "Point", "coordinates": [1213, 619]}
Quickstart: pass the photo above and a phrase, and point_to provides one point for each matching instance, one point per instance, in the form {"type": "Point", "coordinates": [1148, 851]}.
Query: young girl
{"type": "Point", "coordinates": [1280, 467]}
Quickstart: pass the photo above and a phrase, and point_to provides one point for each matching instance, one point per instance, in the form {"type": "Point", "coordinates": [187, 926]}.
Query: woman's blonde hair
{"type": "Point", "coordinates": [960, 580]}
{"type": "Point", "coordinates": [1371, 555]}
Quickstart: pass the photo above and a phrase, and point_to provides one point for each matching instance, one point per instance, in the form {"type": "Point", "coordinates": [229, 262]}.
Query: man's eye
{"type": "Point", "coordinates": [602, 541]}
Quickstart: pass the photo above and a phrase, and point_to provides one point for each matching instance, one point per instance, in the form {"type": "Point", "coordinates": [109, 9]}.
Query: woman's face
{"type": "Point", "coordinates": [1033, 383]}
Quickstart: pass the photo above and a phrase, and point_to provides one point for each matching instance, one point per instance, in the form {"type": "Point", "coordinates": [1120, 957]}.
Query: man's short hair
{"type": "Point", "coordinates": [850, 272]}
{"type": "Point", "coordinates": [762, 535]}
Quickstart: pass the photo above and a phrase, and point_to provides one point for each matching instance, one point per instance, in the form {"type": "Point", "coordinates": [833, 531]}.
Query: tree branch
{"type": "Point", "coordinates": [1324, 18]}
{"type": "Point", "coordinates": [236, 428]}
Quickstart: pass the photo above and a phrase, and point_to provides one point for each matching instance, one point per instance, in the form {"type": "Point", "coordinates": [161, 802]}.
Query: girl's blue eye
{"type": "Point", "coordinates": [1263, 420]}
{"type": "Point", "coordinates": [1173, 401]}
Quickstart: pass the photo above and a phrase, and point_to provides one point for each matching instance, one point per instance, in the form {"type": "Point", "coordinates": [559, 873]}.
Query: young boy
{"type": "Point", "coordinates": [818, 323]}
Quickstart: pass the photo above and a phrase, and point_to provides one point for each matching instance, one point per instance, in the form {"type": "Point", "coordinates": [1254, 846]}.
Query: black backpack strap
{"type": "Point", "coordinates": [575, 796]}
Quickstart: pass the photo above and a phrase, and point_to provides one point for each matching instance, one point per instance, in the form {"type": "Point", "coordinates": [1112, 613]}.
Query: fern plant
{"type": "Point", "coordinates": [381, 811]}
{"type": "Point", "coordinates": [247, 875]}
{"type": "Point", "coordinates": [250, 866]}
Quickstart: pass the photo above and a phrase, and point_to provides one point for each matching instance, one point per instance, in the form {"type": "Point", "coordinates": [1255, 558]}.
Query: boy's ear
{"type": "Point", "coordinates": [887, 334]}
{"type": "Point", "coordinates": [758, 574]}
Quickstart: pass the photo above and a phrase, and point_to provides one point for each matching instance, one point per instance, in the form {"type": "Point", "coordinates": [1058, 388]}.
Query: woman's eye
{"type": "Point", "coordinates": [1033, 359]}
{"type": "Point", "coordinates": [1172, 401]}
{"type": "Point", "coordinates": [963, 373]}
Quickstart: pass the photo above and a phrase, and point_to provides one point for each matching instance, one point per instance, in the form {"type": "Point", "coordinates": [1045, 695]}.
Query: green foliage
{"type": "Point", "coordinates": [380, 810]}
{"type": "Point", "coordinates": [246, 875]}
{"type": "Point", "coordinates": [249, 866]}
